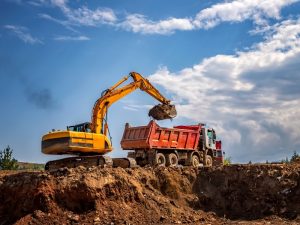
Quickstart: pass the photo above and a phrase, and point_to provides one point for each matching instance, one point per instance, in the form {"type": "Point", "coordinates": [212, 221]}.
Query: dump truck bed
{"type": "Point", "coordinates": [153, 136]}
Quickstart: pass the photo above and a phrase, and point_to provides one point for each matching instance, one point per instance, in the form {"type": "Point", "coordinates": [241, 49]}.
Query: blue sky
{"type": "Point", "coordinates": [231, 64]}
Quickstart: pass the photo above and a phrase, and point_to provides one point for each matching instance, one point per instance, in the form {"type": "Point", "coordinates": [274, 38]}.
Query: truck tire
{"type": "Point", "coordinates": [172, 159]}
{"type": "Point", "coordinates": [195, 160]}
{"type": "Point", "coordinates": [160, 159]}
{"type": "Point", "coordinates": [209, 161]}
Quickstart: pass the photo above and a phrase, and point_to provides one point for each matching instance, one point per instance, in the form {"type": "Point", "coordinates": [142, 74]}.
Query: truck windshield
{"type": "Point", "coordinates": [209, 134]}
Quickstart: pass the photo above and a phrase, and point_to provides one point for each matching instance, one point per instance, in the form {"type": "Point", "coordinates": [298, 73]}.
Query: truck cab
{"type": "Point", "coordinates": [212, 147]}
{"type": "Point", "coordinates": [208, 137]}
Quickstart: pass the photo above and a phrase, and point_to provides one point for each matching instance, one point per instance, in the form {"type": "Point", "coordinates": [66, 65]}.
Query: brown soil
{"type": "Point", "coordinates": [237, 194]}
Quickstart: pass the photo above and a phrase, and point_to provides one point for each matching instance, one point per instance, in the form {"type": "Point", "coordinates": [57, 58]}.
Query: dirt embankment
{"type": "Point", "coordinates": [251, 191]}
{"type": "Point", "coordinates": [257, 194]}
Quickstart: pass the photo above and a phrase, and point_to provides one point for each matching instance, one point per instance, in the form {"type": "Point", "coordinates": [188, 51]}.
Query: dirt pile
{"type": "Point", "coordinates": [152, 195]}
{"type": "Point", "coordinates": [163, 111]}
{"type": "Point", "coordinates": [251, 191]}
{"type": "Point", "coordinates": [100, 196]}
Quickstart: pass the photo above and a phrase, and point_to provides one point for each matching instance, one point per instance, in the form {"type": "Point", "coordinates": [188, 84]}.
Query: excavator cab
{"type": "Point", "coordinates": [82, 127]}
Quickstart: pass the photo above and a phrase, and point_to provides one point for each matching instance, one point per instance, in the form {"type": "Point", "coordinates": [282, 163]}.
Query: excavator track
{"type": "Point", "coordinates": [89, 161]}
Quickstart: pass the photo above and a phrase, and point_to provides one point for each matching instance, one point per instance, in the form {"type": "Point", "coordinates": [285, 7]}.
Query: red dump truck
{"type": "Point", "coordinates": [191, 145]}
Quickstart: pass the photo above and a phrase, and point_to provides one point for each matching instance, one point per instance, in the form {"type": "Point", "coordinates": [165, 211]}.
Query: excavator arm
{"type": "Point", "coordinates": [116, 92]}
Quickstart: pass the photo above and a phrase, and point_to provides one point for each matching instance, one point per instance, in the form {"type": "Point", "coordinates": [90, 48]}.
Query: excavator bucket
{"type": "Point", "coordinates": [163, 111]}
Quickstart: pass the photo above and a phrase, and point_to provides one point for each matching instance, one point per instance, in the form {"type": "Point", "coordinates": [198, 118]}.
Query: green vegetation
{"type": "Point", "coordinates": [227, 161]}
{"type": "Point", "coordinates": [286, 160]}
{"type": "Point", "coordinates": [7, 162]}
{"type": "Point", "coordinates": [295, 157]}
{"type": "Point", "coordinates": [30, 166]}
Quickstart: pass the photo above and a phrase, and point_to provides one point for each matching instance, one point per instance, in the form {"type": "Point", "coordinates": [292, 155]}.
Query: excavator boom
{"type": "Point", "coordinates": [115, 93]}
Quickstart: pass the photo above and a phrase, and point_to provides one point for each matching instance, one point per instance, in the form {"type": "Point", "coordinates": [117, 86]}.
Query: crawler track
{"type": "Point", "coordinates": [89, 161]}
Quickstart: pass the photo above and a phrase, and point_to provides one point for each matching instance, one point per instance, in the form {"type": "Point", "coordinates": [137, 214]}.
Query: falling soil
{"type": "Point", "coordinates": [237, 194]}
{"type": "Point", "coordinates": [163, 111]}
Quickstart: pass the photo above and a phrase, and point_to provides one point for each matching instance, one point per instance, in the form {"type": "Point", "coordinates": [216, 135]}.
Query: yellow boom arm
{"type": "Point", "coordinates": [115, 93]}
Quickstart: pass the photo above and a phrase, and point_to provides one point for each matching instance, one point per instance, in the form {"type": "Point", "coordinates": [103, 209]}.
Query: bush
{"type": "Point", "coordinates": [227, 161]}
{"type": "Point", "coordinates": [295, 157]}
{"type": "Point", "coordinates": [7, 162]}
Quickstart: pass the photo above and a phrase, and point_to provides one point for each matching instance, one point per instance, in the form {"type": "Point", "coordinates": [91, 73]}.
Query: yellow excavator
{"type": "Point", "coordinates": [90, 140]}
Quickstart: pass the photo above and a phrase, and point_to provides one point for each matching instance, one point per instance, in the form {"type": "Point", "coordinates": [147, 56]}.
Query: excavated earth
{"type": "Point", "coordinates": [236, 194]}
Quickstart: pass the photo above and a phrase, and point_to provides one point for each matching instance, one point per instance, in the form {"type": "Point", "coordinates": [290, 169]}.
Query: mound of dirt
{"type": "Point", "coordinates": [251, 191]}
{"type": "Point", "coordinates": [100, 196]}
{"type": "Point", "coordinates": [162, 112]}
{"type": "Point", "coordinates": [152, 196]}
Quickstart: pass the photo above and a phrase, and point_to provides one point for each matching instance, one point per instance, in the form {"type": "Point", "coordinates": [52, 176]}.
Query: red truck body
{"type": "Point", "coordinates": [188, 143]}
{"type": "Point", "coordinates": [153, 136]}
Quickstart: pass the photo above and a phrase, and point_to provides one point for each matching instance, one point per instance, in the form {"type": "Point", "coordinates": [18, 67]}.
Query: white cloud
{"type": "Point", "coordinates": [132, 105]}
{"type": "Point", "coordinates": [71, 38]}
{"type": "Point", "coordinates": [59, 3]}
{"type": "Point", "coordinates": [87, 17]}
{"type": "Point", "coordinates": [139, 24]}
{"type": "Point", "coordinates": [81, 16]}
{"type": "Point", "coordinates": [252, 97]}
{"type": "Point", "coordinates": [259, 11]}
{"type": "Point", "coordinates": [229, 11]}
{"type": "Point", "coordinates": [37, 2]}
{"type": "Point", "coordinates": [23, 34]}
{"type": "Point", "coordinates": [240, 10]}
{"type": "Point", "coordinates": [65, 23]}
{"type": "Point", "coordinates": [130, 108]}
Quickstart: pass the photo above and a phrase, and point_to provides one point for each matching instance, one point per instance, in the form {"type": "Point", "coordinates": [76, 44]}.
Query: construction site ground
{"type": "Point", "coordinates": [236, 194]}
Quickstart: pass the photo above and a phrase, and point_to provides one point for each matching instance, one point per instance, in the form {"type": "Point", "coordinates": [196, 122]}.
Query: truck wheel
{"type": "Point", "coordinates": [209, 161]}
{"type": "Point", "coordinates": [195, 161]}
{"type": "Point", "coordinates": [160, 159]}
{"type": "Point", "coordinates": [172, 159]}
